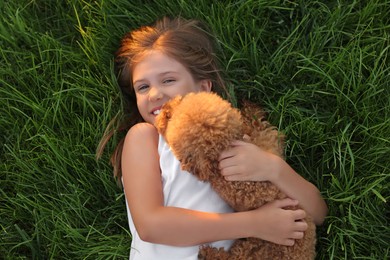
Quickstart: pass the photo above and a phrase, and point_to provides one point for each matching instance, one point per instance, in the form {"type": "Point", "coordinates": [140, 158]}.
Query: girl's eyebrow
{"type": "Point", "coordinates": [167, 72]}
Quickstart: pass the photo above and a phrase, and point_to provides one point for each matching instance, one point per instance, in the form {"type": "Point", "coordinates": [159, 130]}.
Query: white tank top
{"type": "Point", "coordinates": [181, 189]}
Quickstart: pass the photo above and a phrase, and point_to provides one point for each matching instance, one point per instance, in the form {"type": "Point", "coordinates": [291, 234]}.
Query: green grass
{"type": "Point", "coordinates": [320, 68]}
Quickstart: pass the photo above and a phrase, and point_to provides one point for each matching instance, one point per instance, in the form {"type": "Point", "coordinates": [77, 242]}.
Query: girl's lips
{"type": "Point", "coordinates": [156, 111]}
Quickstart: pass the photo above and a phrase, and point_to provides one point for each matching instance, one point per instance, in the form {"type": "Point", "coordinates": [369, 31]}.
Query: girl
{"type": "Point", "coordinates": [170, 212]}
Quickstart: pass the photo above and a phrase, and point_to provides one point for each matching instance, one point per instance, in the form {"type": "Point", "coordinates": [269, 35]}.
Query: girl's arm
{"type": "Point", "coordinates": [183, 227]}
{"type": "Point", "coordinates": [247, 162]}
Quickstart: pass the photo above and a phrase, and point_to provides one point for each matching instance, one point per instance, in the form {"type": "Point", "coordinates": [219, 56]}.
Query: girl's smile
{"type": "Point", "coordinates": [156, 111]}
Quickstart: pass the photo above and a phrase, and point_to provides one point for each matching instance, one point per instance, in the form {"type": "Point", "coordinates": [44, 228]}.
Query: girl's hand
{"type": "Point", "coordinates": [247, 162]}
{"type": "Point", "coordinates": [279, 225]}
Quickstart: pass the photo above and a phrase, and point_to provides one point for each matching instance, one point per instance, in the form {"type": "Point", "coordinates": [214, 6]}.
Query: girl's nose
{"type": "Point", "coordinates": [155, 93]}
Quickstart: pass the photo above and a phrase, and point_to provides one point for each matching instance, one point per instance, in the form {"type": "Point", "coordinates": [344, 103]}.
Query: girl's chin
{"type": "Point", "coordinates": [151, 119]}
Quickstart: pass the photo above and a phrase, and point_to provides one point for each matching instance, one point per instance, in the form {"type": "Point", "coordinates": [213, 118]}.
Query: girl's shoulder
{"type": "Point", "coordinates": [143, 128]}
{"type": "Point", "coordinates": [141, 132]}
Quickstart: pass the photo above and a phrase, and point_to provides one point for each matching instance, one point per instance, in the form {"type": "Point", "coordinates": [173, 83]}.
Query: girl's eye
{"type": "Point", "coordinates": [142, 87]}
{"type": "Point", "coordinates": [166, 81]}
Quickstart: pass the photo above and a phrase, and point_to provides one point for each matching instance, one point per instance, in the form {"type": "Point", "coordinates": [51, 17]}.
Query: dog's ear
{"type": "Point", "coordinates": [166, 114]}
{"type": "Point", "coordinates": [172, 104]}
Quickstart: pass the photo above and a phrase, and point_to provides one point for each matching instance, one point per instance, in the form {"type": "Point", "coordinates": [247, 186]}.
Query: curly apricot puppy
{"type": "Point", "coordinates": [198, 127]}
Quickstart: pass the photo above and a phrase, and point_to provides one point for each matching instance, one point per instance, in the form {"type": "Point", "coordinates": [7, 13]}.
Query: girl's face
{"type": "Point", "coordinates": [157, 78]}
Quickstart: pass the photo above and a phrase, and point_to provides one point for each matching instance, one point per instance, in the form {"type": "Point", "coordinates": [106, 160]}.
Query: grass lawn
{"type": "Point", "coordinates": [321, 68]}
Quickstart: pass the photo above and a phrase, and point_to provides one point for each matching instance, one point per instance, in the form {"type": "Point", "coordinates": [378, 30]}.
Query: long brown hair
{"type": "Point", "coordinates": [187, 41]}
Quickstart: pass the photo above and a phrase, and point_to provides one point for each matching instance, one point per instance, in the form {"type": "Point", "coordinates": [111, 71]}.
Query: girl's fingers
{"type": "Point", "coordinates": [232, 177]}
{"type": "Point", "coordinates": [226, 154]}
{"type": "Point", "coordinates": [287, 202]}
{"type": "Point", "coordinates": [301, 225]}
{"type": "Point", "coordinates": [289, 242]}
{"type": "Point", "coordinates": [230, 172]}
{"type": "Point", "coordinates": [297, 235]}
{"type": "Point", "coordinates": [231, 152]}
{"type": "Point", "coordinates": [299, 214]}
{"type": "Point", "coordinates": [246, 138]}
{"type": "Point", "coordinates": [237, 142]}
{"type": "Point", "coordinates": [224, 163]}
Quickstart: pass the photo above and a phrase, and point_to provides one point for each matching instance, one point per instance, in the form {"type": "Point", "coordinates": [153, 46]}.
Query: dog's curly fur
{"type": "Point", "coordinates": [198, 127]}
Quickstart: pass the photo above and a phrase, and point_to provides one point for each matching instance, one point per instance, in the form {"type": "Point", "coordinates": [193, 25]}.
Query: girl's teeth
{"type": "Point", "coordinates": [156, 112]}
